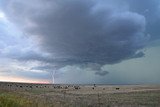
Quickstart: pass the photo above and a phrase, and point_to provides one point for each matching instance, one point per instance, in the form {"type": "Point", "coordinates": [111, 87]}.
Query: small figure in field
{"type": "Point", "coordinates": [117, 88]}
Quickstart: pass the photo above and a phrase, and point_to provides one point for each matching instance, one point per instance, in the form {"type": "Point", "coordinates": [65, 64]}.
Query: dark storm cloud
{"type": "Point", "coordinates": [79, 32]}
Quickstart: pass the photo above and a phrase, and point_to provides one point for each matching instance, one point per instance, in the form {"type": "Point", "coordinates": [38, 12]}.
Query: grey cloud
{"type": "Point", "coordinates": [154, 43]}
{"type": "Point", "coordinates": [32, 75]}
{"type": "Point", "coordinates": [138, 55]}
{"type": "Point", "coordinates": [151, 10]}
{"type": "Point", "coordinates": [97, 68]}
{"type": "Point", "coordinates": [80, 32]}
{"type": "Point", "coordinates": [45, 67]}
{"type": "Point", "coordinates": [101, 73]}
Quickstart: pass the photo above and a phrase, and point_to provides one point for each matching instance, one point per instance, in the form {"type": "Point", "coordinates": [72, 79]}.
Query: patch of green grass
{"type": "Point", "coordinates": [12, 100]}
{"type": "Point", "coordinates": [36, 91]}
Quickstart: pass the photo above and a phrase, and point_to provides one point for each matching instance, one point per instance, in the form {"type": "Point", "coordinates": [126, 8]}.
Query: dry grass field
{"type": "Point", "coordinates": [49, 95]}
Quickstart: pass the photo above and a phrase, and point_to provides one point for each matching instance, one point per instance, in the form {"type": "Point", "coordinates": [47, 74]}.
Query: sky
{"type": "Point", "coordinates": [80, 41]}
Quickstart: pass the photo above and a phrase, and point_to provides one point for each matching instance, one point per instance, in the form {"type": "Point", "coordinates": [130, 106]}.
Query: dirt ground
{"type": "Point", "coordinates": [93, 95]}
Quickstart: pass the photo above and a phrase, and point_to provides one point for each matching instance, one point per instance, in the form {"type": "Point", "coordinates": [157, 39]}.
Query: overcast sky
{"type": "Point", "coordinates": [80, 41]}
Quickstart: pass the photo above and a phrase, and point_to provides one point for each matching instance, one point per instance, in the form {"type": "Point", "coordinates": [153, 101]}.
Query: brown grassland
{"type": "Point", "coordinates": [49, 95]}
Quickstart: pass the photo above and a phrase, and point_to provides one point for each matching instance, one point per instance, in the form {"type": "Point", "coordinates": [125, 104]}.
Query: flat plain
{"type": "Point", "coordinates": [76, 95]}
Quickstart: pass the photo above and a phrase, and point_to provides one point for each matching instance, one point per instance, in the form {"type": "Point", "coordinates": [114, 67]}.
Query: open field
{"type": "Point", "coordinates": [49, 95]}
